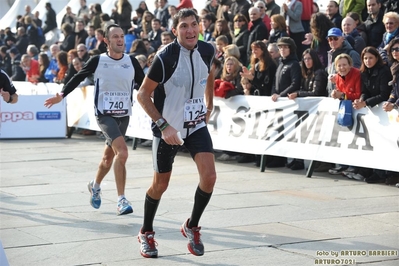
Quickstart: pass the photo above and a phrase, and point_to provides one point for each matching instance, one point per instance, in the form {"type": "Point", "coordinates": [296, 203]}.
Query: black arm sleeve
{"type": "Point", "coordinates": [6, 83]}
{"type": "Point", "coordinates": [88, 69]}
{"type": "Point", "coordinates": [156, 71]}
{"type": "Point", "coordinates": [138, 72]}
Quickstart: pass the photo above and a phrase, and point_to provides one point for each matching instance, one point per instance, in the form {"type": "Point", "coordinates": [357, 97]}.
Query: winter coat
{"type": "Point", "coordinates": [375, 88]}
{"type": "Point", "coordinates": [263, 81]}
{"type": "Point", "coordinates": [374, 30]}
{"type": "Point", "coordinates": [314, 85]}
{"type": "Point", "coordinates": [288, 76]}
{"type": "Point", "coordinates": [241, 40]}
{"type": "Point", "coordinates": [350, 84]}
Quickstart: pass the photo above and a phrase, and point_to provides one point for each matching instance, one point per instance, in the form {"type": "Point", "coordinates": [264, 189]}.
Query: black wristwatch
{"type": "Point", "coordinates": [160, 122]}
{"type": "Point", "coordinates": [10, 100]}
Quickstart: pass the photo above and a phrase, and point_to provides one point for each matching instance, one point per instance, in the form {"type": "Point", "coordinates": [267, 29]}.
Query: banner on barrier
{"type": "Point", "coordinates": [28, 118]}
{"type": "Point", "coordinates": [304, 128]}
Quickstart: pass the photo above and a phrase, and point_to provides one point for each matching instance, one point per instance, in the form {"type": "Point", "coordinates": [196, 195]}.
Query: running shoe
{"type": "Point", "coordinates": [148, 244]}
{"type": "Point", "coordinates": [124, 207]}
{"type": "Point", "coordinates": [337, 170]}
{"type": "Point", "coordinates": [193, 235]}
{"type": "Point", "coordinates": [95, 198]}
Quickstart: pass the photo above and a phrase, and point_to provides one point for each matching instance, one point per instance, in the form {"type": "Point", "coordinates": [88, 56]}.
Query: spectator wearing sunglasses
{"type": "Point", "coordinates": [338, 46]}
{"type": "Point", "coordinates": [241, 35]}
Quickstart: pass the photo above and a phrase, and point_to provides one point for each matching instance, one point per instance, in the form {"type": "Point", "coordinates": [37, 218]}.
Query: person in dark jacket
{"type": "Point", "coordinates": [18, 73]}
{"type": "Point", "coordinates": [287, 81]}
{"type": "Point", "coordinates": [374, 26]}
{"type": "Point", "coordinates": [376, 88]}
{"type": "Point", "coordinates": [162, 13]}
{"type": "Point", "coordinates": [241, 35]}
{"type": "Point", "coordinates": [258, 31]}
{"type": "Point", "coordinates": [32, 33]}
{"type": "Point", "coordinates": [333, 14]}
{"type": "Point", "coordinates": [122, 15]}
{"type": "Point", "coordinates": [272, 8]}
{"type": "Point", "coordinates": [314, 83]}
{"type": "Point", "coordinates": [5, 60]}
{"type": "Point", "coordinates": [350, 31]}
{"type": "Point", "coordinates": [288, 76]}
{"type": "Point", "coordinates": [237, 7]}
{"type": "Point", "coordinates": [314, 77]}
{"type": "Point", "coordinates": [69, 41]}
{"type": "Point", "coordinates": [51, 19]}
{"type": "Point", "coordinates": [375, 79]}
{"type": "Point", "coordinates": [22, 40]}
{"type": "Point", "coordinates": [81, 34]}
{"type": "Point", "coordinates": [279, 28]}
{"type": "Point", "coordinates": [262, 70]}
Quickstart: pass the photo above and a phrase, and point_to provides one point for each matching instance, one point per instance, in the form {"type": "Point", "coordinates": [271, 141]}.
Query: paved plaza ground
{"type": "Point", "coordinates": [276, 217]}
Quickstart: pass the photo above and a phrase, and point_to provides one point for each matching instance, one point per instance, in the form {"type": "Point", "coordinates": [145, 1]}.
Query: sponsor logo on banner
{"type": "Point", "coordinates": [16, 116]}
{"type": "Point", "coordinates": [48, 115]}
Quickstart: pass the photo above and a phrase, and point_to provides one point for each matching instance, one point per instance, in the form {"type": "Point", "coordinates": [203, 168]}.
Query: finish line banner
{"type": "Point", "coordinates": [303, 128]}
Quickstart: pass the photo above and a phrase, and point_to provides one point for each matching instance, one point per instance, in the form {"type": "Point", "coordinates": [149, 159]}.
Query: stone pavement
{"type": "Point", "coordinates": [278, 217]}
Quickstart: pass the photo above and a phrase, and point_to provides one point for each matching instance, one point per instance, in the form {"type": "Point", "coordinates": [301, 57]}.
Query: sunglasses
{"type": "Point", "coordinates": [330, 39]}
{"type": "Point", "coordinates": [395, 49]}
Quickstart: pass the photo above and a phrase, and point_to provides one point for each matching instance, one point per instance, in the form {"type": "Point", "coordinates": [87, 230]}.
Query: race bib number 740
{"type": "Point", "coordinates": [116, 103]}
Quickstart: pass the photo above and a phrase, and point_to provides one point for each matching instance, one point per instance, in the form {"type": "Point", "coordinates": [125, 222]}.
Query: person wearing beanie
{"type": "Point", "coordinates": [288, 80]}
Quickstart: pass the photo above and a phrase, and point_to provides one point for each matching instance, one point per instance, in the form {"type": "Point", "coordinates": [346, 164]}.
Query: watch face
{"type": "Point", "coordinates": [160, 122]}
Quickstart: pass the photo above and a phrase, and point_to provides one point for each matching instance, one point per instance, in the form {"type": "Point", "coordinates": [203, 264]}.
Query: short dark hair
{"type": "Point", "coordinates": [335, 2]}
{"type": "Point", "coordinates": [156, 20]}
{"type": "Point", "coordinates": [106, 33]}
{"type": "Point", "coordinates": [168, 33]}
{"type": "Point", "coordinates": [184, 13]}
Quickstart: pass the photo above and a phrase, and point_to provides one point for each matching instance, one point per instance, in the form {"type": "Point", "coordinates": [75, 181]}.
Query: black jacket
{"type": "Point", "coordinates": [258, 32]}
{"type": "Point", "coordinates": [263, 82]}
{"type": "Point", "coordinates": [22, 43]}
{"type": "Point", "coordinates": [68, 43]}
{"type": "Point", "coordinates": [375, 88]}
{"type": "Point", "coordinates": [375, 30]}
{"type": "Point", "coordinates": [18, 73]}
{"type": "Point", "coordinates": [277, 35]}
{"type": "Point", "coordinates": [314, 85]}
{"type": "Point", "coordinates": [241, 40]}
{"type": "Point", "coordinates": [50, 22]}
{"type": "Point", "coordinates": [288, 76]}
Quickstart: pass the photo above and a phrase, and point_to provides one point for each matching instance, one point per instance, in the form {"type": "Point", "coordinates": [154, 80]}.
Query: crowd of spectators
{"type": "Point", "coordinates": [263, 49]}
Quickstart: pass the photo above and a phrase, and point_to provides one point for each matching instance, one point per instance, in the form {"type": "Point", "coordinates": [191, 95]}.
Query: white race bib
{"type": "Point", "coordinates": [194, 112]}
{"type": "Point", "coordinates": [116, 103]}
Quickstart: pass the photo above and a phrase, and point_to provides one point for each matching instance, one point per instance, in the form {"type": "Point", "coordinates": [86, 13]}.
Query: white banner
{"type": "Point", "coordinates": [28, 118]}
{"type": "Point", "coordinates": [303, 128]}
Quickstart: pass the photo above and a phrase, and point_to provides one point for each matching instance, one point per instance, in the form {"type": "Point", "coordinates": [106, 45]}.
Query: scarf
{"type": "Point", "coordinates": [395, 72]}
{"type": "Point", "coordinates": [390, 36]}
